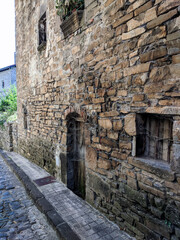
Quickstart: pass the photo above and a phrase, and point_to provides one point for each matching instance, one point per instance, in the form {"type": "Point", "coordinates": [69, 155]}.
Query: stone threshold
{"type": "Point", "coordinates": [72, 217]}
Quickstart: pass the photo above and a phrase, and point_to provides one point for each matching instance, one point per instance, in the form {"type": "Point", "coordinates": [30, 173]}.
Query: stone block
{"type": "Point", "coordinates": [132, 183]}
{"type": "Point", "coordinates": [167, 5]}
{"type": "Point", "coordinates": [108, 142]}
{"type": "Point", "coordinates": [143, 8]}
{"type": "Point", "coordinates": [173, 25]}
{"type": "Point", "coordinates": [162, 170]}
{"type": "Point", "coordinates": [98, 100]}
{"type": "Point", "coordinates": [89, 57]}
{"type": "Point", "coordinates": [176, 59]}
{"type": "Point", "coordinates": [173, 46]}
{"type": "Point", "coordinates": [98, 185]}
{"type": "Point", "coordinates": [64, 139]}
{"type": "Point", "coordinates": [130, 124]}
{"type": "Point", "coordinates": [158, 74]}
{"type": "Point", "coordinates": [141, 68]}
{"type": "Point", "coordinates": [175, 70]}
{"type": "Point", "coordinates": [134, 60]}
{"type": "Point", "coordinates": [120, 4]}
{"type": "Point", "coordinates": [117, 125]}
{"type": "Point", "coordinates": [127, 218]}
{"type": "Point", "coordinates": [121, 29]}
{"type": "Point", "coordinates": [139, 234]}
{"type": "Point", "coordinates": [112, 135]}
{"type": "Point", "coordinates": [152, 190]}
{"type": "Point", "coordinates": [122, 93]}
{"type": "Point", "coordinates": [104, 163]}
{"type": "Point", "coordinates": [136, 196]}
{"type": "Point", "coordinates": [108, 2]}
{"type": "Point", "coordinates": [150, 234]}
{"type": "Point", "coordinates": [101, 147]}
{"type": "Point", "coordinates": [138, 97]}
{"type": "Point", "coordinates": [135, 5]}
{"type": "Point", "coordinates": [109, 114]}
{"type": "Point", "coordinates": [125, 145]}
{"type": "Point", "coordinates": [162, 18]}
{"type": "Point", "coordinates": [142, 19]}
{"type": "Point", "coordinates": [122, 20]}
{"type": "Point", "coordinates": [152, 55]}
{"type": "Point", "coordinates": [173, 36]}
{"type": "Point", "coordinates": [105, 123]}
{"type": "Point", "coordinates": [118, 155]}
{"type": "Point", "coordinates": [160, 203]}
{"type": "Point", "coordinates": [121, 202]}
{"type": "Point", "coordinates": [172, 214]}
{"type": "Point", "coordinates": [156, 212]}
{"type": "Point", "coordinates": [152, 36]}
{"type": "Point", "coordinates": [133, 33]}
{"type": "Point", "coordinates": [158, 226]}
{"type": "Point", "coordinates": [91, 158]}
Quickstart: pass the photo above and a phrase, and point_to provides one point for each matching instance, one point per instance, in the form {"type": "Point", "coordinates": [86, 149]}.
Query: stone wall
{"type": "Point", "coordinates": [9, 137]}
{"type": "Point", "coordinates": [122, 65]}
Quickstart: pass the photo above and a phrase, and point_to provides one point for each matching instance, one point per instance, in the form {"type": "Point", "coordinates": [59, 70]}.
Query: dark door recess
{"type": "Point", "coordinates": [76, 157]}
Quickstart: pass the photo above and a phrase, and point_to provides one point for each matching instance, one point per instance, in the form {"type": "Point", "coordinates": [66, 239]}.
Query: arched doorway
{"type": "Point", "coordinates": [75, 155]}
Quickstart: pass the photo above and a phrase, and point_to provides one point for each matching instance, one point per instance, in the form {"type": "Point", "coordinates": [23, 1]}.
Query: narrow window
{"type": "Point", "coordinates": [154, 137]}
{"type": "Point", "coordinates": [75, 156]}
{"type": "Point", "coordinates": [42, 30]}
{"type": "Point", "coordinates": [25, 117]}
{"type": "Point", "coordinates": [2, 84]}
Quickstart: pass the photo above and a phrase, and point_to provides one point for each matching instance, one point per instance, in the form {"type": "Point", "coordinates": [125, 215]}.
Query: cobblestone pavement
{"type": "Point", "coordinates": [19, 217]}
{"type": "Point", "coordinates": [78, 216]}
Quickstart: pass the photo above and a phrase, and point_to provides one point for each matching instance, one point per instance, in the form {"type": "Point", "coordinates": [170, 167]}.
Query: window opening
{"type": "Point", "coordinates": [42, 30]}
{"type": "Point", "coordinates": [76, 157]}
{"type": "Point", "coordinates": [154, 137]}
{"type": "Point", "coordinates": [2, 84]}
{"type": "Point", "coordinates": [25, 117]}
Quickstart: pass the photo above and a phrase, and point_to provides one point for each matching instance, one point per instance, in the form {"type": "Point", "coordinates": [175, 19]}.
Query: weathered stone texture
{"type": "Point", "coordinates": [9, 137]}
{"type": "Point", "coordinates": [123, 61]}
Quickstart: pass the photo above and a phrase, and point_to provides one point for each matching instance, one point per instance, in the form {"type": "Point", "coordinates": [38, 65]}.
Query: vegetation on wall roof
{"type": "Point", "coordinates": [66, 7]}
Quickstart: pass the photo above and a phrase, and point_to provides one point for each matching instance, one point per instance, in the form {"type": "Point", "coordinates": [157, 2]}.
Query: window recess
{"type": "Point", "coordinates": [42, 32]}
{"type": "Point", "coordinates": [154, 137]}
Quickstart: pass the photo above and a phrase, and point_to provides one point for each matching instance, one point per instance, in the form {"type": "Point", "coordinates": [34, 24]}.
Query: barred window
{"type": "Point", "coordinates": [154, 136]}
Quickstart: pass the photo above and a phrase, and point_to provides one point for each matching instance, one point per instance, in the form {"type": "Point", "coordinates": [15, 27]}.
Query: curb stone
{"type": "Point", "coordinates": [64, 231]}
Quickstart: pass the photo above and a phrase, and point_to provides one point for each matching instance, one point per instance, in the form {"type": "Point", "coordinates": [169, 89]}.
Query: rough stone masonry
{"type": "Point", "coordinates": [100, 108]}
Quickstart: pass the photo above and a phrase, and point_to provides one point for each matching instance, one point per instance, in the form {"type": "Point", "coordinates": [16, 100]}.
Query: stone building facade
{"type": "Point", "coordinates": [7, 77]}
{"type": "Point", "coordinates": [100, 108]}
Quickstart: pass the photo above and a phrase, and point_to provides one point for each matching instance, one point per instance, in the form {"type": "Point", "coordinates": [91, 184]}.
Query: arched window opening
{"type": "Point", "coordinates": [75, 155]}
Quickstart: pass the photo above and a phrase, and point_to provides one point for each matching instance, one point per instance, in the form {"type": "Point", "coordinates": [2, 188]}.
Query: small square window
{"type": "Point", "coordinates": [154, 137]}
{"type": "Point", "coordinates": [42, 30]}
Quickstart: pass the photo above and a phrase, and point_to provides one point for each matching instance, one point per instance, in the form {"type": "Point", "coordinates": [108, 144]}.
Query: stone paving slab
{"type": "Point", "coordinates": [72, 217]}
{"type": "Point", "coordinates": [19, 217]}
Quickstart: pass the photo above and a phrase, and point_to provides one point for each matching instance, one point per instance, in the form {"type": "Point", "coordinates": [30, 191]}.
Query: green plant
{"type": "Point", "coordinates": [66, 7]}
{"type": "Point", "coordinates": [8, 101]}
{"type": "Point", "coordinates": [8, 104]}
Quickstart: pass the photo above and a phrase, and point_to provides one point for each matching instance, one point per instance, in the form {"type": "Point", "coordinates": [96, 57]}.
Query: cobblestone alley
{"type": "Point", "coordinates": [71, 217]}
{"type": "Point", "coordinates": [19, 217]}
